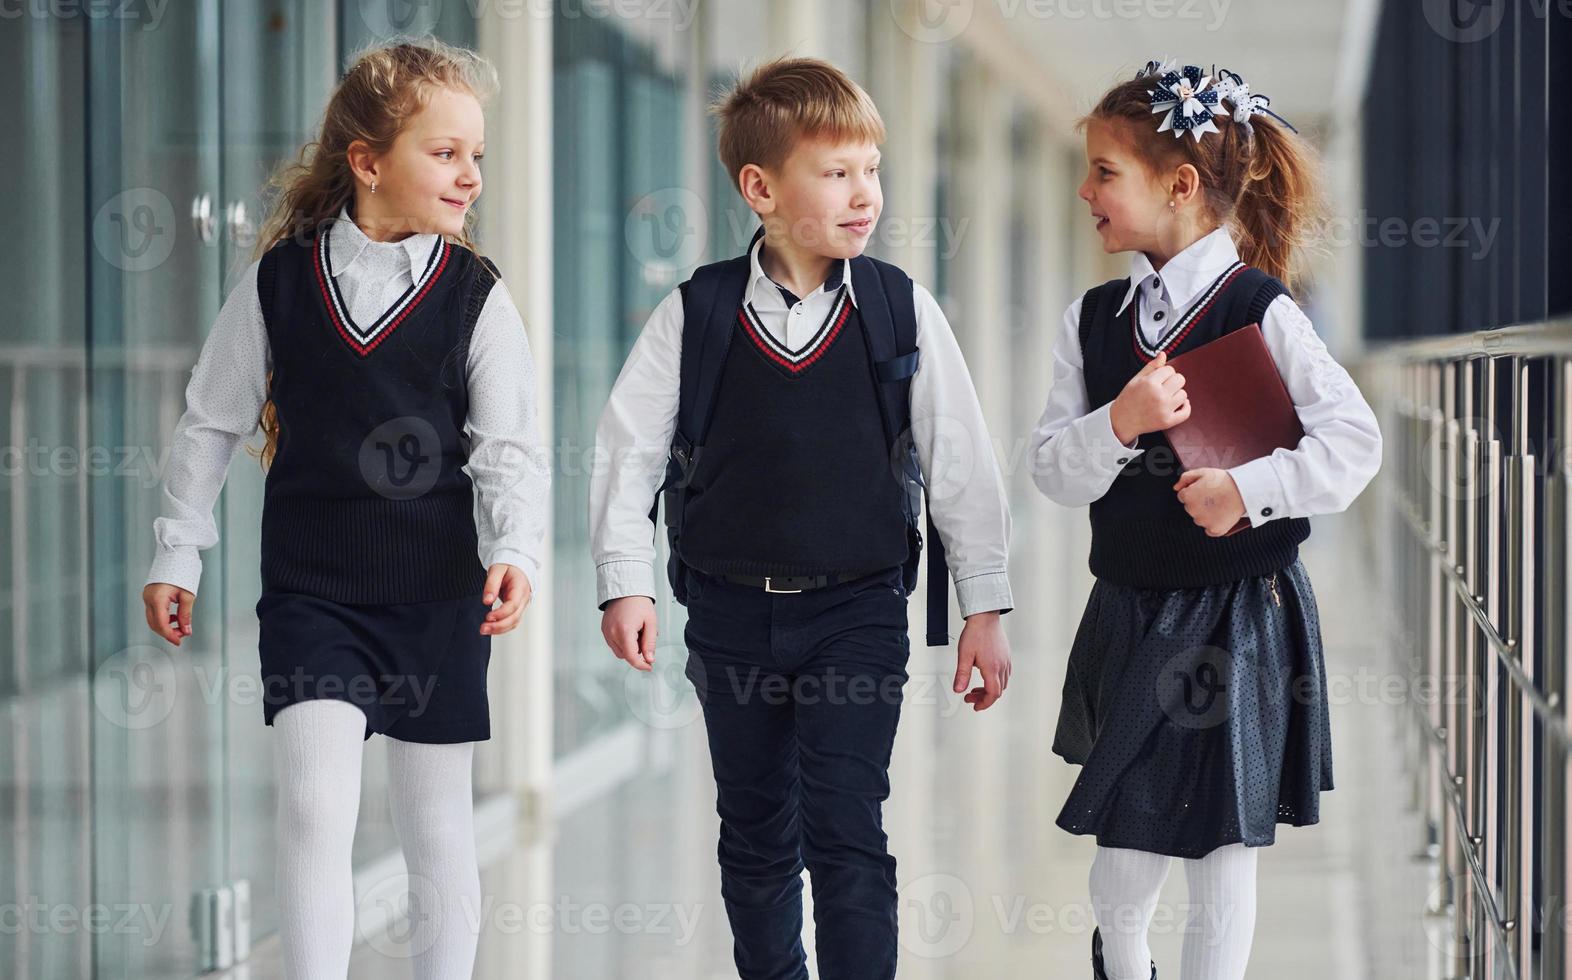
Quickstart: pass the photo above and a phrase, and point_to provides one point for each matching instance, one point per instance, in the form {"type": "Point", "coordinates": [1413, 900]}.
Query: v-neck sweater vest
{"type": "Point", "coordinates": [1142, 536]}
{"type": "Point", "coordinates": [366, 500]}
{"type": "Point", "coordinates": [795, 476]}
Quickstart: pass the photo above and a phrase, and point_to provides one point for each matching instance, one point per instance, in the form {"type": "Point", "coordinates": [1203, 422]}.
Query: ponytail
{"type": "Point", "coordinates": [1263, 182]}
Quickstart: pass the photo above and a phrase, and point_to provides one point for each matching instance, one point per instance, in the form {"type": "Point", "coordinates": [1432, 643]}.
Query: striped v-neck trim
{"type": "Point", "coordinates": [1181, 328]}
{"type": "Point", "coordinates": [365, 339]}
{"type": "Point", "coordinates": [797, 361]}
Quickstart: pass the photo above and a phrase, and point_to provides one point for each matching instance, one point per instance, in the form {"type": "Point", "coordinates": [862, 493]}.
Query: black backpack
{"type": "Point", "coordinates": [710, 301]}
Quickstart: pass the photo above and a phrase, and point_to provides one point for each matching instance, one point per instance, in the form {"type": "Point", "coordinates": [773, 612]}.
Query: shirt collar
{"type": "Point", "coordinates": [1188, 273]}
{"type": "Point", "coordinates": [771, 295]}
{"type": "Point", "coordinates": [347, 243]}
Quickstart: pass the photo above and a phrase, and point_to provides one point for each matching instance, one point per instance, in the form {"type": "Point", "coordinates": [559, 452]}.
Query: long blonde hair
{"type": "Point", "coordinates": [1266, 187]}
{"type": "Point", "coordinates": [384, 87]}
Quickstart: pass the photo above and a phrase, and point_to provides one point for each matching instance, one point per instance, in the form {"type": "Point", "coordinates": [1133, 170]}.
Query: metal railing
{"type": "Point", "coordinates": [1476, 484]}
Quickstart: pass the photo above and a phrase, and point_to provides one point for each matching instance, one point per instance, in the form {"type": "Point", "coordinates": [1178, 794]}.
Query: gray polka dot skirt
{"type": "Point", "coordinates": [1198, 716]}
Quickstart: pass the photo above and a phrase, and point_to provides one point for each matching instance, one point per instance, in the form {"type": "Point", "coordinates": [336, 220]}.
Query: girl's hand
{"type": "Point", "coordinates": [510, 584]}
{"type": "Point", "coordinates": [1151, 401]}
{"type": "Point", "coordinates": [983, 646]}
{"type": "Point", "coordinates": [156, 598]}
{"type": "Point", "coordinates": [628, 624]}
{"type": "Point", "coordinates": [1211, 497]}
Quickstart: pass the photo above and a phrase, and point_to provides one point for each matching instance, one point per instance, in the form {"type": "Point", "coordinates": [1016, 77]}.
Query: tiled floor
{"type": "Point", "coordinates": [626, 886]}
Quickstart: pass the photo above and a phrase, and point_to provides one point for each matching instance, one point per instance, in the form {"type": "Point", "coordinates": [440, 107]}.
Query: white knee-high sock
{"type": "Point", "coordinates": [433, 811]}
{"type": "Point", "coordinates": [317, 755]}
{"type": "Point", "coordinates": [1221, 923]}
{"type": "Point", "coordinates": [1125, 884]}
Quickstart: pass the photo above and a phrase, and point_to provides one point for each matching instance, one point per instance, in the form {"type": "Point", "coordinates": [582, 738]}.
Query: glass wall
{"type": "Point", "coordinates": [45, 765]}
{"type": "Point", "coordinates": [622, 240]}
{"type": "Point", "coordinates": [1465, 145]}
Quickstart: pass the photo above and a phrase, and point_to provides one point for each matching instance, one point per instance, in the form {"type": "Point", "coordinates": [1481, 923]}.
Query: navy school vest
{"type": "Point", "coordinates": [793, 463]}
{"type": "Point", "coordinates": [366, 500]}
{"type": "Point", "coordinates": [1141, 534]}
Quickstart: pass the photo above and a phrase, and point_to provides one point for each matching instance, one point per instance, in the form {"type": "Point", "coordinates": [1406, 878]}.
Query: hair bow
{"type": "Point", "coordinates": [1188, 99]}
{"type": "Point", "coordinates": [1236, 92]}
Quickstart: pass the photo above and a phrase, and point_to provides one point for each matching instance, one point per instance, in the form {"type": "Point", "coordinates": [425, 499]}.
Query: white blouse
{"type": "Point", "coordinates": [1076, 456]}
{"type": "Point", "coordinates": [509, 467]}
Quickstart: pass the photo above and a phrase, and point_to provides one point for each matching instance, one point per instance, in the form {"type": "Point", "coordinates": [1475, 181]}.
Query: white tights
{"type": "Point", "coordinates": [1217, 932]}
{"type": "Point", "coordinates": [317, 767]}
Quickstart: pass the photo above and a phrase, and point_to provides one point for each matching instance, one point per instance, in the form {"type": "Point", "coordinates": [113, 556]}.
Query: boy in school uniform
{"type": "Point", "coordinates": [803, 391]}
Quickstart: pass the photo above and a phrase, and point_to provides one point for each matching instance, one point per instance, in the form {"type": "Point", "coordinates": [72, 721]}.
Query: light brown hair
{"type": "Point", "coordinates": [788, 100]}
{"type": "Point", "coordinates": [1265, 187]}
{"type": "Point", "coordinates": [384, 87]}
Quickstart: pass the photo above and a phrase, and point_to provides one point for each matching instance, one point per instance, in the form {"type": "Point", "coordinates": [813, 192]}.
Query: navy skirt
{"type": "Point", "coordinates": [1198, 716]}
{"type": "Point", "coordinates": [417, 670]}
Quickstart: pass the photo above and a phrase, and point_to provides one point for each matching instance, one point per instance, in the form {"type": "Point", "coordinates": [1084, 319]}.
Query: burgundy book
{"type": "Point", "coordinates": [1239, 408]}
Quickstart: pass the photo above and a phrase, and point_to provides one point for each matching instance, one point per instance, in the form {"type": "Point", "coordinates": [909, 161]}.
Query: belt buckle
{"type": "Point", "coordinates": [768, 588]}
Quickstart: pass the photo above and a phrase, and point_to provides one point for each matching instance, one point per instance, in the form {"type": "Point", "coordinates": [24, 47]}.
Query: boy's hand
{"type": "Point", "coordinates": [628, 625]}
{"type": "Point", "coordinates": [510, 584]}
{"type": "Point", "coordinates": [982, 645]}
{"type": "Point", "coordinates": [1151, 401]}
{"type": "Point", "coordinates": [1212, 499]}
{"type": "Point", "coordinates": [156, 597]}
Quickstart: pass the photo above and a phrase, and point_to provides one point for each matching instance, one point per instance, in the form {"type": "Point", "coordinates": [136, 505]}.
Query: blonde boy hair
{"type": "Point", "coordinates": [788, 100]}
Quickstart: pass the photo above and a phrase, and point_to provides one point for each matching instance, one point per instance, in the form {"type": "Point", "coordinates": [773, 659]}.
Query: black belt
{"type": "Point", "coordinates": [793, 583]}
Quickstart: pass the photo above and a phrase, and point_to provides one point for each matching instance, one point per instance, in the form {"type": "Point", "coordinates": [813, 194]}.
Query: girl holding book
{"type": "Point", "coordinates": [1195, 695]}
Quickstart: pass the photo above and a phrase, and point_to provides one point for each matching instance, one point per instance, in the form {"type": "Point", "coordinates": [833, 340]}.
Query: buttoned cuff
{"type": "Point", "coordinates": [1108, 453]}
{"type": "Point", "coordinates": [180, 567]}
{"type": "Point", "coordinates": [985, 592]}
{"type": "Point", "coordinates": [1261, 489]}
{"type": "Point", "coordinates": [623, 577]}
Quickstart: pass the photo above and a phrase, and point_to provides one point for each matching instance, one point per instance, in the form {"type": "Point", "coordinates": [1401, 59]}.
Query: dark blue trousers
{"type": "Point", "coordinates": [801, 696]}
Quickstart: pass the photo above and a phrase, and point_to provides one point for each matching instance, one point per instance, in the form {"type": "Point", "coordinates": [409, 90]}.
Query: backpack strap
{"type": "Point", "coordinates": [710, 301]}
{"type": "Point", "coordinates": [889, 316]}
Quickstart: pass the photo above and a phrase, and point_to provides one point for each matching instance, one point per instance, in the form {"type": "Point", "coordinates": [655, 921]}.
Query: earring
{"type": "Point", "coordinates": [374, 190]}
{"type": "Point", "coordinates": [1170, 203]}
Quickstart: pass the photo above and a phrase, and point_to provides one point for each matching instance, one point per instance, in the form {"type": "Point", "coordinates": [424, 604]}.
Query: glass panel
{"type": "Point", "coordinates": [618, 167]}
{"type": "Point", "coordinates": [44, 702]}
{"type": "Point", "coordinates": [158, 724]}
{"type": "Point", "coordinates": [279, 67]}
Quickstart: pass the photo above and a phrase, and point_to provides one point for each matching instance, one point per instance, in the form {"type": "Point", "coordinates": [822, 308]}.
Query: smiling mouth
{"type": "Point", "coordinates": [1102, 221]}
{"type": "Point", "coordinates": [859, 224]}
{"type": "Point", "coordinates": [455, 203]}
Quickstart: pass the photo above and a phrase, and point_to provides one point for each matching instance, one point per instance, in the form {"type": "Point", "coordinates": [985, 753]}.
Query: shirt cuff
{"type": "Point", "coordinates": [180, 567]}
{"type": "Point", "coordinates": [1261, 489]}
{"type": "Point", "coordinates": [985, 592]}
{"type": "Point", "coordinates": [623, 577]}
{"type": "Point", "coordinates": [1108, 453]}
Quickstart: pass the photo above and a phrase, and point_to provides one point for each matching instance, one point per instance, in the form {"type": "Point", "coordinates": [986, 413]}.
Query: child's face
{"type": "Point", "coordinates": [1127, 202]}
{"type": "Point", "coordinates": [827, 196]}
{"type": "Point", "coordinates": [431, 175]}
